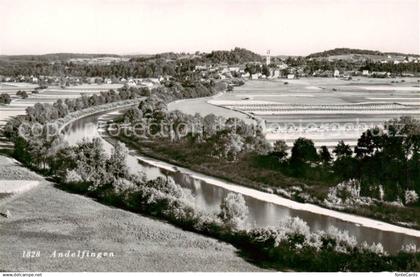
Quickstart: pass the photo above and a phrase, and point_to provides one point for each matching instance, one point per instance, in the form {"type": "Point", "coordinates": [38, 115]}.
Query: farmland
{"type": "Point", "coordinates": [321, 109]}
{"type": "Point", "coordinates": [49, 95]}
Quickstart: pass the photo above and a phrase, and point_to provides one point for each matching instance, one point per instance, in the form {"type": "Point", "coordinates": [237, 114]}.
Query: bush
{"type": "Point", "coordinates": [304, 151]}
{"type": "Point", "coordinates": [5, 98]}
{"type": "Point", "coordinates": [23, 94]}
{"type": "Point", "coordinates": [234, 211]}
{"type": "Point", "coordinates": [411, 197]}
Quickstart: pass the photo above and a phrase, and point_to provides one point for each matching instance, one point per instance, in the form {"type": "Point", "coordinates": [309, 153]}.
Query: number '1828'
{"type": "Point", "coordinates": [31, 254]}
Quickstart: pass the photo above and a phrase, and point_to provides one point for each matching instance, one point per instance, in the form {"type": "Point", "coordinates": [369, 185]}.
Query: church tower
{"type": "Point", "coordinates": [268, 58]}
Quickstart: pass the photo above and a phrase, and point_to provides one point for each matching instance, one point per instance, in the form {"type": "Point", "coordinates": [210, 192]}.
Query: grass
{"type": "Point", "coordinates": [47, 219]}
{"type": "Point", "coordinates": [11, 170]}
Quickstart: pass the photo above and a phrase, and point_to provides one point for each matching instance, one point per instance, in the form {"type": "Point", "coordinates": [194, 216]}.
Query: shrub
{"type": "Point", "coordinates": [121, 186]}
{"type": "Point", "coordinates": [375, 248]}
{"type": "Point", "coordinates": [343, 242]}
{"type": "Point", "coordinates": [72, 177]}
{"type": "Point", "coordinates": [411, 197]}
{"type": "Point", "coordinates": [5, 98]}
{"type": "Point", "coordinates": [234, 211]}
{"type": "Point", "coordinates": [22, 94]}
{"type": "Point", "coordinates": [346, 193]}
{"type": "Point", "coordinates": [409, 248]}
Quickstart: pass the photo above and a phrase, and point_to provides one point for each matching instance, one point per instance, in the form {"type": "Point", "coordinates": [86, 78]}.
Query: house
{"type": "Point", "coordinates": [410, 59]}
{"type": "Point", "coordinates": [154, 80]}
{"type": "Point", "coordinates": [200, 67]}
{"type": "Point", "coordinates": [381, 74]}
{"type": "Point", "coordinates": [131, 83]}
{"type": "Point", "coordinates": [255, 76]}
{"type": "Point", "coordinates": [275, 73]}
{"type": "Point", "coordinates": [290, 76]}
{"type": "Point", "coordinates": [224, 70]}
{"type": "Point", "coordinates": [365, 72]}
{"type": "Point", "coordinates": [282, 66]}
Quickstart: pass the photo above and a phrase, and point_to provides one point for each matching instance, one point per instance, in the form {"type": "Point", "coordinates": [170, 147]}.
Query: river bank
{"type": "Point", "coordinates": [233, 174]}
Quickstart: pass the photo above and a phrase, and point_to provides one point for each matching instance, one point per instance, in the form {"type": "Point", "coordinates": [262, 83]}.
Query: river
{"type": "Point", "coordinates": [261, 213]}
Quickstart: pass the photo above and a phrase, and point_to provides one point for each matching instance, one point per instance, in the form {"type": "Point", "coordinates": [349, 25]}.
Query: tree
{"type": "Point", "coordinates": [234, 211]}
{"type": "Point", "coordinates": [117, 163]}
{"type": "Point", "coordinates": [228, 145]}
{"type": "Point", "coordinates": [211, 124]}
{"type": "Point", "coordinates": [91, 163]}
{"type": "Point", "coordinates": [133, 115]}
{"type": "Point", "coordinates": [280, 149]}
{"type": "Point", "coordinates": [22, 94]}
{"type": "Point", "coordinates": [369, 142]}
{"type": "Point", "coordinates": [324, 155]}
{"type": "Point", "coordinates": [265, 71]}
{"type": "Point", "coordinates": [261, 146]}
{"type": "Point", "coordinates": [304, 151]}
{"type": "Point", "coordinates": [252, 68]}
{"type": "Point", "coordinates": [342, 150]}
{"type": "Point", "coordinates": [5, 98]}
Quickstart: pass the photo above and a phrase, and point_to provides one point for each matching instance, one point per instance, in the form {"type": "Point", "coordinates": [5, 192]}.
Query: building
{"type": "Point", "coordinates": [268, 58]}
{"type": "Point", "coordinates": [275, 73]}
{"type": "Point", "coordinates": [256, 76]}
{"type": "Point", "coordinates": [131, 83]}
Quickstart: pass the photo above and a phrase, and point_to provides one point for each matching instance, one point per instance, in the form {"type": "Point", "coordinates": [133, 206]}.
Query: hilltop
{"type": "Point", "coordinates": [358, 54]}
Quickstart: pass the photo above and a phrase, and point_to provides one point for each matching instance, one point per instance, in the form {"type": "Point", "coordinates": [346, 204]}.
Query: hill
{"type": "Point", "coordinates": [357, 54]}
{"type": "Point", "coordinates": [52, 57]}
{"type": "Point", "coordinates": [235, 56]}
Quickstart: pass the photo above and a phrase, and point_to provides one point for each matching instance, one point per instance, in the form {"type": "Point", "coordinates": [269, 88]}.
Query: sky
{"type": "Point", "coordinates": [286, 27]}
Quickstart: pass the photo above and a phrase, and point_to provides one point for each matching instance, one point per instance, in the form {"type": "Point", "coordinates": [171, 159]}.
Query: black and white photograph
{"type": "Point", "coordinates": [216, 136]}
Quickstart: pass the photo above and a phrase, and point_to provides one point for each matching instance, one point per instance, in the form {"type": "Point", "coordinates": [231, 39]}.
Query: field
{"type": "Point", "coordinates": [49, 95]}
{"type": "Point", "coordinates": [14, 178]}
{"type": "Point", "coordinates": [201, 106]}
{"type": "Point", "coordinates": [325, 110]}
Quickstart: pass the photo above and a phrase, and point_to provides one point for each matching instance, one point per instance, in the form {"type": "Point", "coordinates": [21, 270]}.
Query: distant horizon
{"type": "Point", "coordinates": [134, 27]}
{"type": "Point", "coordinates": [192, 52]}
